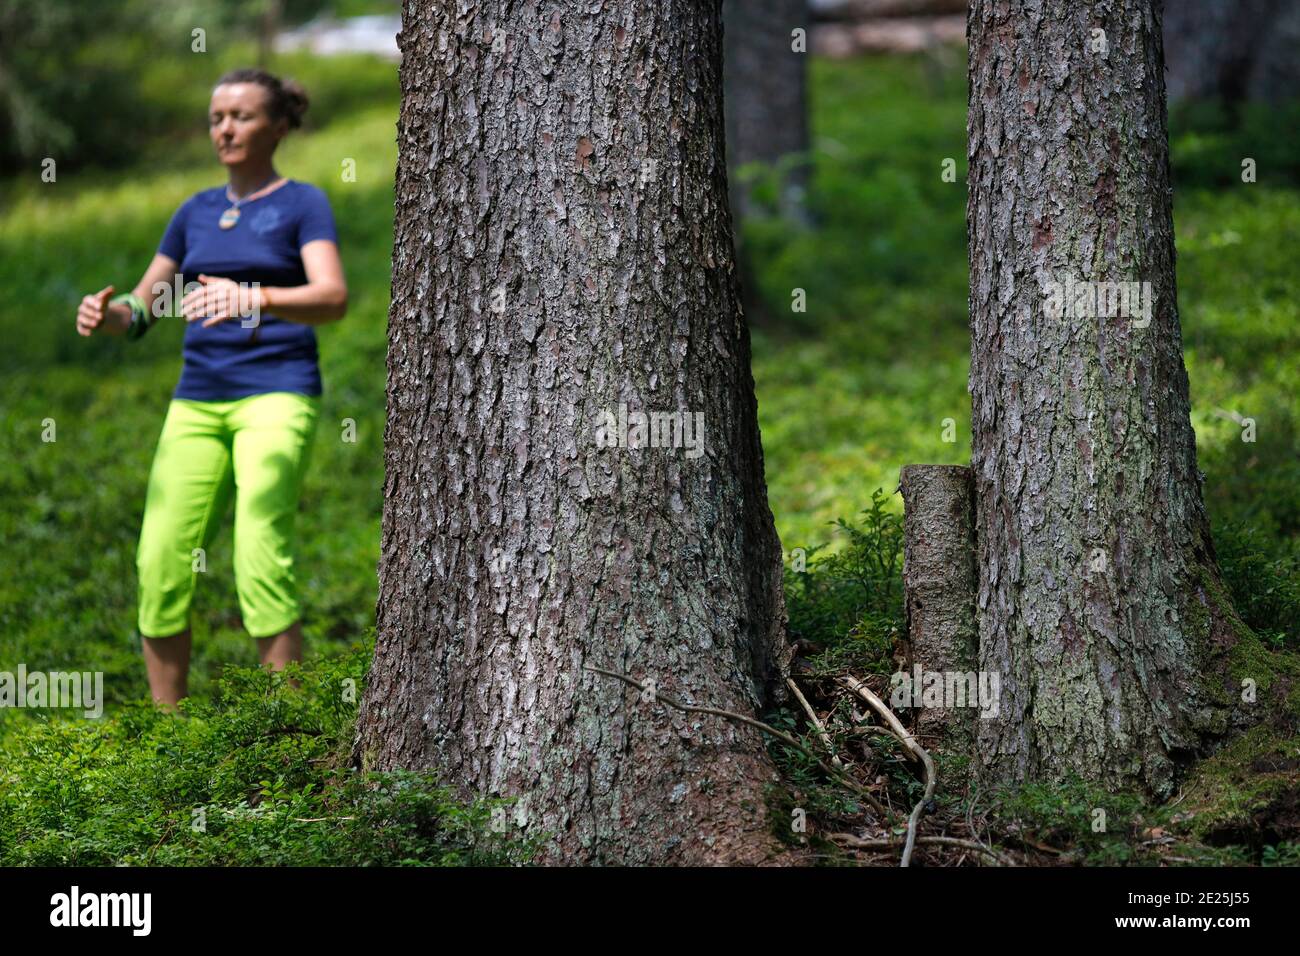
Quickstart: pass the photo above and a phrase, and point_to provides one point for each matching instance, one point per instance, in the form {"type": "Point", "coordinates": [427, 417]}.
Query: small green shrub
{"type": "Point", "coordinates": [848, 603]}
{"type": "Point", "coordinates": [1264, 579]}
{"type": "Point", "coordinates": [255, 776]}
{"type": "Point", "coordinates": [1097, 827]}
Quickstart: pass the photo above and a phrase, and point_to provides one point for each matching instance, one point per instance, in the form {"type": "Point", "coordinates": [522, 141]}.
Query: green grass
{"type": "Point", "coordinates": [849, 391]}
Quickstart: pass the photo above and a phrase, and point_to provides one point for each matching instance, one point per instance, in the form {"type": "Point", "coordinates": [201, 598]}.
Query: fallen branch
{"type": "Point", "coordinates": [781, 735]}
{"type": "Point", "coordinates": [812, 716]}
{"type": "Point", "coordinates": [908, 741]}
{"type": "Point", "coordinates": [320, 819]}
{"type": "Point", "coordinates": [858, 843]}
{"type": "Point", "coordinates": [1034, 844]}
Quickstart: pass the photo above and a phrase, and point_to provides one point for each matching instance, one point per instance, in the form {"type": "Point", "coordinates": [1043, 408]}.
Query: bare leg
{"type": "Point", "coordinates": [167, 661]}
{"type": "Point", "coordinates": [283, 648]}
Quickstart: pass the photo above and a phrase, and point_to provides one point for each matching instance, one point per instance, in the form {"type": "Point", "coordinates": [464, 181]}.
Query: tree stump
{"type": "Point", "coordinates": [939, 582]}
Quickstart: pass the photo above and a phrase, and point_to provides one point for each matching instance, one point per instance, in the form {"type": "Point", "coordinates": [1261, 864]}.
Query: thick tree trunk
{"type": "Point", "coordinates": [1099, 599]}
{"type": "Point", "coordinates": [563, 250]}
{"type": "Point", "coordinates": [939, 582]}
{"type": "Point", "coordinates": [767, 118]}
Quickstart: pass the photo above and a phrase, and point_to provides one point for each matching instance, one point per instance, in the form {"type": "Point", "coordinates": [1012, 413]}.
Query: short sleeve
{"type": "Point", "coordinates": [173, 240]}
{"type": "Point", "coordinates": [317, 219]}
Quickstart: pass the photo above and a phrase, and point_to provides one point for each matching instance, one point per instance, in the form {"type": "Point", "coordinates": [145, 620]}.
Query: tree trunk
{"type": "Point", "coordinates": [1100, 604]}
{"type": "Point", "coordinates": [767, 119]}
{"type": "Point", "coordinates": [562, 251]}
{"type": "Point", "coordinates": [269, 26]}
{"type": "Point", "coordinates": [939, 595]}
{"type": "Point", "coordinates": [1275, 72]}
{"type": "Point", "coordinates": [1232, 49]}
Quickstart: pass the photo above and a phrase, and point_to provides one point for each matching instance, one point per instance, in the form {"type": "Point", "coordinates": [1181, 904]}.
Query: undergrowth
{"type": "Point", "coordinates": [256, 774]}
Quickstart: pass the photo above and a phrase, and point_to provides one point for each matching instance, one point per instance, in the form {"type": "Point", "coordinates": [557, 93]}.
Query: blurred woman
{"type": "Point", "coordinates": [258, 261]}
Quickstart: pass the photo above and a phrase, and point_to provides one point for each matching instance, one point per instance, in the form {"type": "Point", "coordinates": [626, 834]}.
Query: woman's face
{"type": "Point", "coordinates": [240, 123]}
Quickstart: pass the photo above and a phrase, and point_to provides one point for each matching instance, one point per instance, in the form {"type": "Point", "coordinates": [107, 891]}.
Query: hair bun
{"type": "Point", "coordinates": [295, 101]}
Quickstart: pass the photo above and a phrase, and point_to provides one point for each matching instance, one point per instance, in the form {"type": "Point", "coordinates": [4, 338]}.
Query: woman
{"type": "Point", "coordinates": [264, 252]}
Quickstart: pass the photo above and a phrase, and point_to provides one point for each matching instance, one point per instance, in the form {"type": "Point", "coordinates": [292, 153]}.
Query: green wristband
{"type": "Point", "coordinates": [140, 317]}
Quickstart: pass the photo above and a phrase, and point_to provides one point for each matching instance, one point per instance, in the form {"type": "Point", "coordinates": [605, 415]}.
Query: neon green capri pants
{"type": "Point", "coordinates": [257, 447]}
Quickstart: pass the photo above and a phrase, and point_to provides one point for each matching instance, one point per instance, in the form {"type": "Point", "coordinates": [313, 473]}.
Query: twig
{"type": "Point", "coordinates": [858, 843]}
{"type": "Point", "coordinates": [781, 735]}
{"type": "Point", "coordinates": [166, 832]}
{"type": "Point", "coordinates": [320, 819]}
{"type": "Point", "coordinates": [812, 716]}
{"type": "Point", "coordinates": [1035, 845]}
{"type": "Point", "coordinates": [878, 705]}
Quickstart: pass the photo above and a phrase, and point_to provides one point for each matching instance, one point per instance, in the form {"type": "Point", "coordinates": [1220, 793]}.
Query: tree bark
{"type": "Point", "coordinates": [562, 249]}
{"type": "Point", "coordinates": [1099, 601]}
{"type": "Point", "coordinates": [939, 592]}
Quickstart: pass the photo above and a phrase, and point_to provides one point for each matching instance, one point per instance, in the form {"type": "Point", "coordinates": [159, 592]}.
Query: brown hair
{"type": "Point", "coordinates": [288, 99]}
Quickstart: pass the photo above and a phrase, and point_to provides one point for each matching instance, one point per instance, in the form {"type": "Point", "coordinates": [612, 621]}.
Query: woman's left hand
{"type": "Point", "coordinates": [218, 299]}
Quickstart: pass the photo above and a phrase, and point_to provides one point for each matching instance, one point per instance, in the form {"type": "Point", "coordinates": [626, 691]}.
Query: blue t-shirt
{"type": "Point", "coordinates": [229, 361]}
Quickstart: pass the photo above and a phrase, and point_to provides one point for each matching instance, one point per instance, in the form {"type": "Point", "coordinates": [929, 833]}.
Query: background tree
{"type": "Point", "coordinates": [1099, 601]}
{"type": "Point", "coordinates": [765, 83]}
{"type": "Point", "coordinates": [764, 79]}
{"type": "Point", "coordinates": [1232, 50]}
{"type": "Point", "coordinates": [562, 249]}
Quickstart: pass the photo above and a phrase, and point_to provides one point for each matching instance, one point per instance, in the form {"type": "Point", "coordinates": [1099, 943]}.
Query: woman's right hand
{"type": "Point", "coordinates": [95, 310]}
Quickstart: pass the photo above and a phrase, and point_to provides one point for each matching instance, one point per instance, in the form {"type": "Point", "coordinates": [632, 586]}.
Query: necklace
{"type": "Point", "coordinates": [231, 216]}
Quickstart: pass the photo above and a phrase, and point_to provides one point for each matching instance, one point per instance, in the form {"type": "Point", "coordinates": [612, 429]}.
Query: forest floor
{"type": "Point", "coordinates": [850, 390]}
